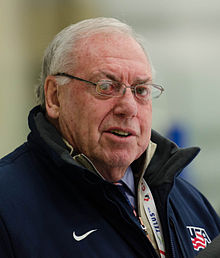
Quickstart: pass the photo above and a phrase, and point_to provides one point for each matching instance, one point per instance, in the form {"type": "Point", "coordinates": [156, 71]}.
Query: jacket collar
{"type": "Point", "coordinates": [168, 160]}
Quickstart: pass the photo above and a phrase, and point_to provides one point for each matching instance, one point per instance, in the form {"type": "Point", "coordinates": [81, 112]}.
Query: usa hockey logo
{"type": "Point", "coordinates": [199, 237]}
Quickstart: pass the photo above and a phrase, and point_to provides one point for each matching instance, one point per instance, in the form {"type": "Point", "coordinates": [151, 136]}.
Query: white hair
{"type": "Point", "coordinates": [59, 56]}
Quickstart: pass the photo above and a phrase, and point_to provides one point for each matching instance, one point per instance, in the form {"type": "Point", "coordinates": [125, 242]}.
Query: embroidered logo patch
{"type": "Point", "coordinates": [199, 237]}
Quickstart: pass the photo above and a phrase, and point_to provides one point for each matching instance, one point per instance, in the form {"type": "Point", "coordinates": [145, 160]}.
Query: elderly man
{"type": "Point", "coordinates": [93, 180]}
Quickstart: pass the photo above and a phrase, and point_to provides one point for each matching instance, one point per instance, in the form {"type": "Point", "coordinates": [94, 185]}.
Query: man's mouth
{"type": "Point", "coordinates": [120, 133]}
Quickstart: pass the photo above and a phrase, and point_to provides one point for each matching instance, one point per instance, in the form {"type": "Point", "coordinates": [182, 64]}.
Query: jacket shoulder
{"type": "Point", "coordinates": [11, 157]}
{"type": "Point", "coordinates": [184, 193]}
{"type": "Point", "coordinates": [193, 207]}
{"type": "Point", "coordinates": [12, 165]}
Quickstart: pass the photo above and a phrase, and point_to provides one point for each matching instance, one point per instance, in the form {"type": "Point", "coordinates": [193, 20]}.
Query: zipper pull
{"type": "Point", "coordinates": [142, 225]}
{"type": "Point", "coordinates": [144, 228]}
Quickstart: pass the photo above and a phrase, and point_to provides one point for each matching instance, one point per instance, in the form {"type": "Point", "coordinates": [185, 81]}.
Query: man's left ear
{"type": "Point", "coordinates": [51, 97]}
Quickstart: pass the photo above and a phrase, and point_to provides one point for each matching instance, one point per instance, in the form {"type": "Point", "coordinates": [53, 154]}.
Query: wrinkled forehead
{"type": "Point", "coordinates": [101, 46]}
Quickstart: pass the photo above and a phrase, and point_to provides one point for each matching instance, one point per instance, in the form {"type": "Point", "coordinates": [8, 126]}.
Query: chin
{"type": "Point", "coordinates": [119, 160]}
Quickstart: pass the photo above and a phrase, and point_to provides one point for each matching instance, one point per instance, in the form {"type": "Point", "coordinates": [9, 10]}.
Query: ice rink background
{"type": "Point", "coordinates": [183, 41]}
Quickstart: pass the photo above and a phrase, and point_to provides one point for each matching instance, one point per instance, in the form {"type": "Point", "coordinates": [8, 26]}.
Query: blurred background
{"type": "Point", "coordinates": [183, 40]}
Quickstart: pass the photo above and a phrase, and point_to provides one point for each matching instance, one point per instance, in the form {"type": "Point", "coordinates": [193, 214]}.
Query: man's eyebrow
{"type": "Point", "coordinates": [137, 80]}
{"type": "Point", "coordinates": [110, 76]}
{"type": "Point", "coordinates": [142, 80]}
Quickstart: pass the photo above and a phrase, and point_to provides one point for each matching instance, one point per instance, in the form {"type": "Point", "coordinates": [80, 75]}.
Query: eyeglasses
{"type": "Point", "coordinates": [109, 88]}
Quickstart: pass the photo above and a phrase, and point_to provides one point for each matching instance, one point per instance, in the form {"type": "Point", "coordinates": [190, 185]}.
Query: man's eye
{"type": "Point", "coordinates": [105, 87]}
{"type": "Point", "coordinates": [142, 90]}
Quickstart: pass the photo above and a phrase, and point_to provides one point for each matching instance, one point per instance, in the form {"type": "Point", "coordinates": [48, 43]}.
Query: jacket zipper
{"type": "Point", "coordinates": [171, 239]}
{"type": "Point", "coordinates": [173, 229]}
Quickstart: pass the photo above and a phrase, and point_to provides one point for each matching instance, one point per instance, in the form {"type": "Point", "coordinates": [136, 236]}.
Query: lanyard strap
{"type": "Point", "coordinates": [152, 215]}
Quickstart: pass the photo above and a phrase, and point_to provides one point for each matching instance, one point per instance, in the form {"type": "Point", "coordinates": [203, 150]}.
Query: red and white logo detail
{"type": "Point", "coordinates": [147, 197]}
{"type": "Point", "coordinates": [199, 237]}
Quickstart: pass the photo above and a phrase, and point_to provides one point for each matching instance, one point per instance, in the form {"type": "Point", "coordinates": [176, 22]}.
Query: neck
{"type": "Point", "coordinates": [110, 173]}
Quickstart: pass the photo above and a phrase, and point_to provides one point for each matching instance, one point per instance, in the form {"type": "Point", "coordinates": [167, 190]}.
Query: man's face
{"type": "Point", "coordinates": [91, 123]}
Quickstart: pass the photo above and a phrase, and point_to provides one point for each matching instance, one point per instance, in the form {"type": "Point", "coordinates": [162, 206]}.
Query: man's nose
{"type": "Point", "coordinates": [126, 105]}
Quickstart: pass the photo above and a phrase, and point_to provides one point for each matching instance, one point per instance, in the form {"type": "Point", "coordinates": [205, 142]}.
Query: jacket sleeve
{"type": "Point", "coordinates": [6, 250]}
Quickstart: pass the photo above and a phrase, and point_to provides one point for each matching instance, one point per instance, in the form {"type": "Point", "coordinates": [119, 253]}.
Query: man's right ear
{"type": "Point", "coordinates": [51, 97]}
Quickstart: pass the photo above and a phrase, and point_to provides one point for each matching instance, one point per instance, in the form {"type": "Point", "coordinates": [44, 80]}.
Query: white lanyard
{"type": "Point", "coordinates": [152, 215]}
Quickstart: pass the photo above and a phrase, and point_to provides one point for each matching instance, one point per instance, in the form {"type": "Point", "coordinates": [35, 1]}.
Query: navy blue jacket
{"type": "Point", "coordinates": [46, 198]}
